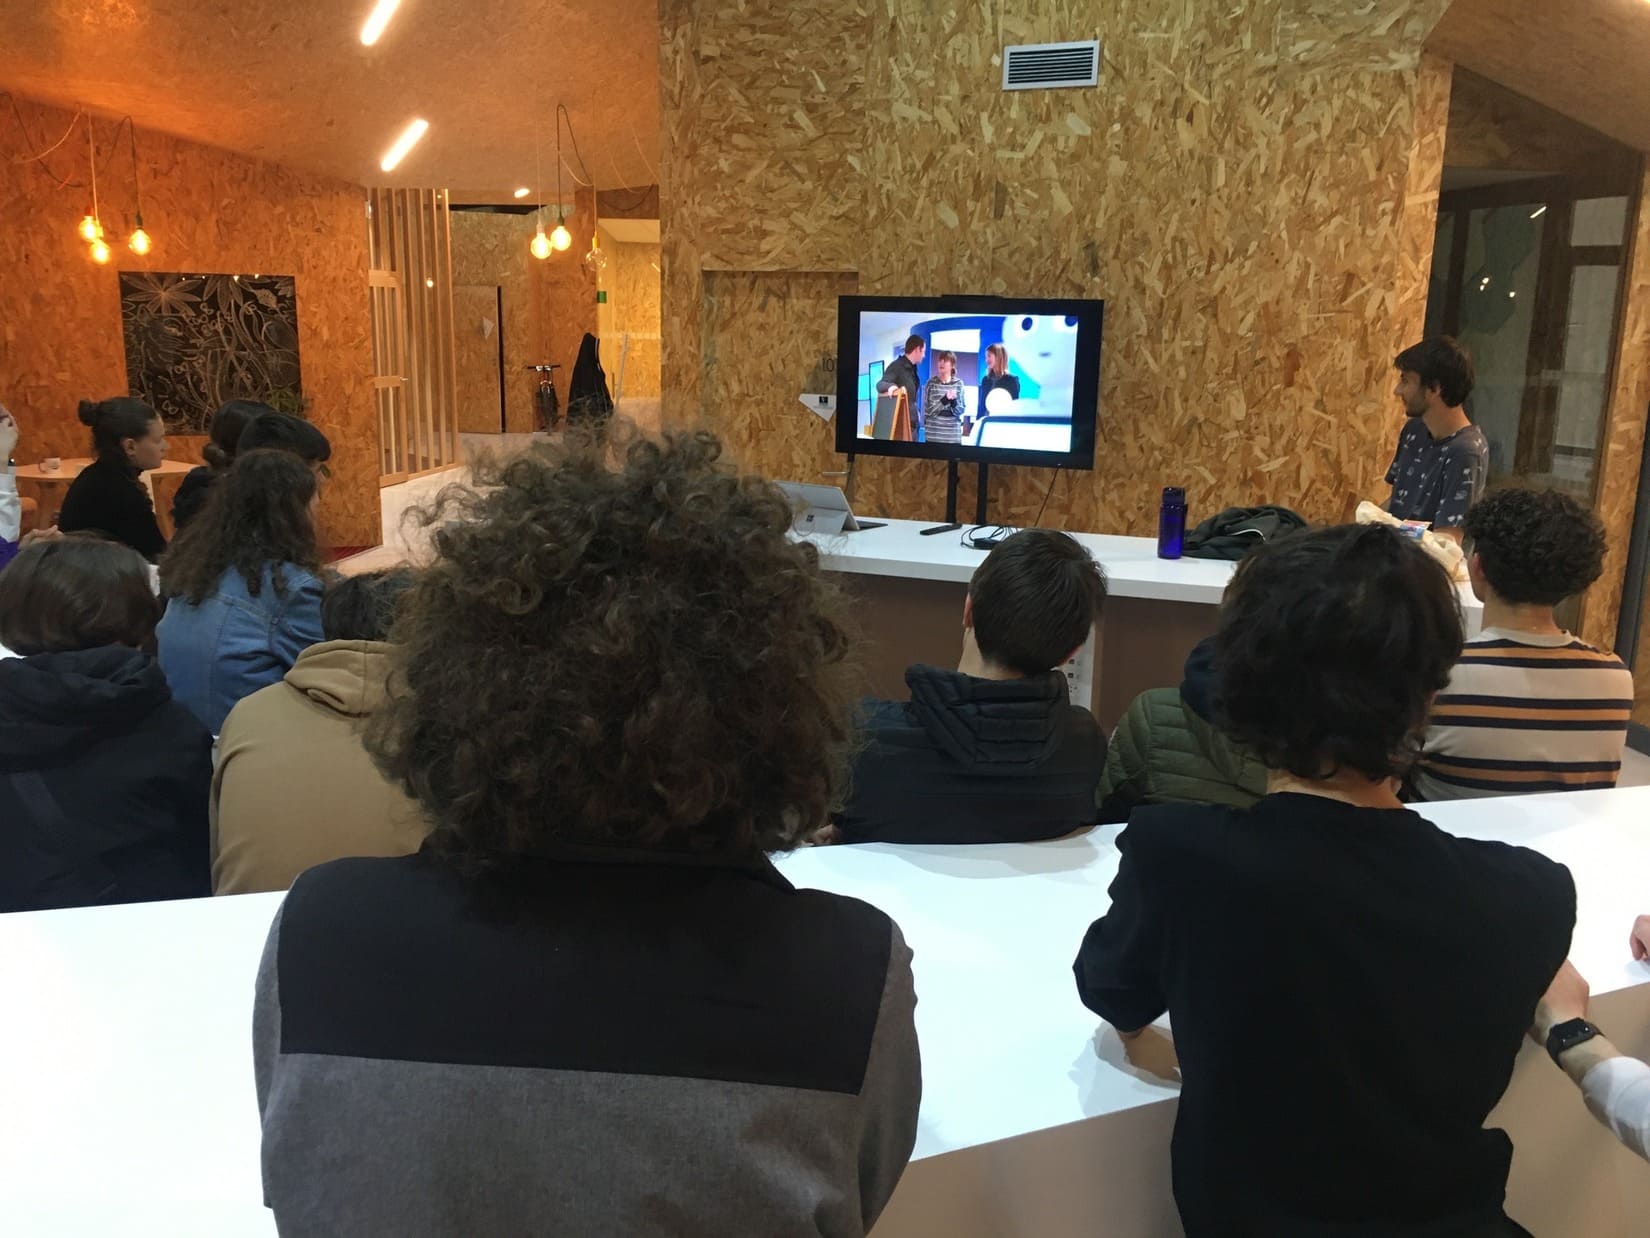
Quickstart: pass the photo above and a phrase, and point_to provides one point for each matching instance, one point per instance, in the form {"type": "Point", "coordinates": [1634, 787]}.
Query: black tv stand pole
{"type": "Point", "coordinates": [950, 503]}
{"type": "Point", "coordinates": [951, 499]}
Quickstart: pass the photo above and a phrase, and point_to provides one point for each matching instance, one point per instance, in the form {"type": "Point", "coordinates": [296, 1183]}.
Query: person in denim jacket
{"type": "Point", "coordinates": [243, 584]}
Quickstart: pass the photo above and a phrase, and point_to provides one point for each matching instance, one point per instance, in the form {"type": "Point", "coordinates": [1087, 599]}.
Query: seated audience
{"type": "Point", "coordinates": [1528, 707]}
{"type": "Point", "coordinates": [243, 585]}
{"type": "Point", "coordinates": [1615, 1087]}
{"type": "Point", "coordinates": [1168, 750]}
{"type": "Point", "coordinates": [108, 498]}
{"type": "Point", "coordinates": [284, 432]}
{"type": "Point", "coordinates": [294, 786]}
{"type": "Point", "coordinates": [1309, 950]}
{"type": "Point", "coordinates": [220, 451]}
{"type": "Point", "coordinates": [619, 685]}
{"type": "Point", "coordinates": [993, 751]}
{"type": "Point", "coordinates": [103, 776]}
{"type": "Point", "coordinates": [11, 506]}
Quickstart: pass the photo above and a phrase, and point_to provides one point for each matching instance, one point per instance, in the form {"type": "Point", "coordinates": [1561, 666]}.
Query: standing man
{"type": "Point", "coordinates": [902, 372]}
{"type": "Point", "coordinates": [1442, 459]}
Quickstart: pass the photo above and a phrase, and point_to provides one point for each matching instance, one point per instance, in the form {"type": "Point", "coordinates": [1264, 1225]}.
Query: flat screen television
{"type": "Point", "coordinates": [1036, 360]}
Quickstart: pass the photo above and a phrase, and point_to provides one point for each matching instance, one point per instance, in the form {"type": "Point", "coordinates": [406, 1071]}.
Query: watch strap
{"type": "Point", "coordinates": [1567, 1035]}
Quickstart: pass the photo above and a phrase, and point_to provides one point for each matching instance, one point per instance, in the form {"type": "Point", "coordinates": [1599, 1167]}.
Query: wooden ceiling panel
{"type": "Point", "coordinates": [1585, 58]}
{"type": "Point", "coordinates": [292, 83]}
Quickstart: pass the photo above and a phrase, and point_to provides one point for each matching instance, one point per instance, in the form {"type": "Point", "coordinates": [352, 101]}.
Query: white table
{"type": "Point", "coordinates": [128, 1104]}
{"type": "Point", "coordinates": [909, 591]}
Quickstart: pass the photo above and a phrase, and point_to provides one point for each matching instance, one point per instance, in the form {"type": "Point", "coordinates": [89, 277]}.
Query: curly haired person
{"type": "Point", "coordinates": [1528, 707]}
{"type": "Point", "coordinates": [1312, 949]}
{"type": "Point", "coordinates": [591, 1005]}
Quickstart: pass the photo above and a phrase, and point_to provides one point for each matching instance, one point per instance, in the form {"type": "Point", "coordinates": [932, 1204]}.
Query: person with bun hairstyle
{"type": "Point", "coordinates": [1348, 985]}
{"type": "Point", "coordinates": [243, 584]}
{"type": "Point", "coordinates": [104, 778]}
{"type": "Point", "coordinates": [219, 452]}
{"type": "Point", "coordinates": [107, 498]}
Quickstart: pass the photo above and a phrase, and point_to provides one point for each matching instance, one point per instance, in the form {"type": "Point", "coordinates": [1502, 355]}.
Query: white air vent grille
{"type": "Point", "coordinates": [1047, 66]}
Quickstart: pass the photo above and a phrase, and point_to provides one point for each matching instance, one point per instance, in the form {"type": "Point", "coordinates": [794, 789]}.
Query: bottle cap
{"type": "Point", "coordinates": [1174, 494]}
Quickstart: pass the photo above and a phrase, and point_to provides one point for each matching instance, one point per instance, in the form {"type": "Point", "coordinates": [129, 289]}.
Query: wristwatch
{"type": "Point", "coordinates": [1567, 1035]}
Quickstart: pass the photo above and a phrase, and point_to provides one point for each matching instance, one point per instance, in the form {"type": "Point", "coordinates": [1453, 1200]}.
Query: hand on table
{"type": "Point", "coordinates": [1565, 999]}
{"type": "Point", "coordinates": [1639, 942]}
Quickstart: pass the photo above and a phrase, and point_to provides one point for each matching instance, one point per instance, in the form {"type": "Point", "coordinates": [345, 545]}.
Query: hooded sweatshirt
{"type": "Point", "coordinates": [969, 760]}
{"type": "Point", "coordinates": [103, 783]}
{"type": "Point", "coordinates": [294, 786]}
{"type": "Point", "coordinates": [1167, 749]}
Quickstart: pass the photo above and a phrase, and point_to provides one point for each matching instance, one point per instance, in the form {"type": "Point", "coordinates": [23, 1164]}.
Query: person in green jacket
{"type": "Point", "coordinates": [1167, 750]}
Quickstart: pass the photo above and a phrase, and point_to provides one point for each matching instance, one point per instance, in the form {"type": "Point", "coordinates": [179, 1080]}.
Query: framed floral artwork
{"type": "Point", "coordinates": [194, 342]}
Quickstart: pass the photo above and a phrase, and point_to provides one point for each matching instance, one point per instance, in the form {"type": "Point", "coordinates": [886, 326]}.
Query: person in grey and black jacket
{"type": "Point", "coordinates": [944, 402]}
{"type": "Point", "coordinates": [591, 1005]}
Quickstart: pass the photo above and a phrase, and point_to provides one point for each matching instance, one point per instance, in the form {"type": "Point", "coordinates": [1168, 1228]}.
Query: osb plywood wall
{"type": "Point", "coordinates": [1252, 193]}
{"type": "Point", "coordinates": [548, 305]}
{"type": "Point", "coordinates": [1624, 434]}
{"type": "Point", "coordinates": [211, 212]}
{"type": "Point", "coordinates": [632, 283]}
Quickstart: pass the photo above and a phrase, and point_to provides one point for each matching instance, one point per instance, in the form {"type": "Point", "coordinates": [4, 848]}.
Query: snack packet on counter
{"type": "Point", "coordinates": [1444, 549]}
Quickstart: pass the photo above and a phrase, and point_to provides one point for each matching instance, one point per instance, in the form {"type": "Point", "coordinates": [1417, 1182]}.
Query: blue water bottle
{"type": "Point", "coordinates": [1171, 523]}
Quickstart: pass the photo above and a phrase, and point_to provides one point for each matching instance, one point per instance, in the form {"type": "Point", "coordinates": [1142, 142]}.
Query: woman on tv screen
{"type": "Point", "coordinates": [944, 403]}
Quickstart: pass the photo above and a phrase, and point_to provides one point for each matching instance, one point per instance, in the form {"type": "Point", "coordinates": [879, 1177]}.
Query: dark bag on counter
{"type": "Point", "coordinates": [1238, 530]}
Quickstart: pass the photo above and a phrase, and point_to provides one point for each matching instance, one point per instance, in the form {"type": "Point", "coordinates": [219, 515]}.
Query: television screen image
{"type": "Point", "coordinates": [969, 378]}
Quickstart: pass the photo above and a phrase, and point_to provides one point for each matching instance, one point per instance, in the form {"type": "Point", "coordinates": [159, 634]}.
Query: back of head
{"type": "Point", "coordinates": [1034, 600]}
{"type": "Point", "coordinates": [74, 593]}
{"type": "Point", "coordinates": [618, 645]}
{"type": "Point", "coordinates": [363, 607]}
{"type": "Point", "coordinates": [257, 516]}
{"type": "Point", "coordinates": [1439, 362]}
{"type": "Point", "coordinates": [1330, 653]}
{"type": "Point", "coordinates": [283, 432]}
{"type": "Point", "coordinates": [1536, 547]}
{"type": "Point", "coordinates": [115, 420]}
{"type": "Point", "coordinates": [228, 424]}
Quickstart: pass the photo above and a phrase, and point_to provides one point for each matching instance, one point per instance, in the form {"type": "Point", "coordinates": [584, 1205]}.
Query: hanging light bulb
{"type": "Point", "coordinates": [540, 247]}
{"type": "Point", "coordinates": [139, 242]}
{"type": "Point", "coordinates": [90, 229]}
{"type": "Point", "coordinates": [100, 251]}
{"type": "Point", "coordinates": [561, 238]}
{"type": "Point", "coordinates": [595, 260]}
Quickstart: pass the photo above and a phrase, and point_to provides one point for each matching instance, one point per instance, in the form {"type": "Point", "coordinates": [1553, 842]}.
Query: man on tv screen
{"type": "Point", "coordinates": [902, 372]}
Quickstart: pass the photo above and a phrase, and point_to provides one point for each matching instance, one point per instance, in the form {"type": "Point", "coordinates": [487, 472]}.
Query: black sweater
{"type": "Point", "coordinates": [969, 760]}
{"type": "Point", "coordinates": [1348, 989]}
{"type": "Point", "coordinates": [104, 781]}
{"type": "Point", "coordinates": [107, 498]}
{"type": "Point", "coordinates": [197, 483]}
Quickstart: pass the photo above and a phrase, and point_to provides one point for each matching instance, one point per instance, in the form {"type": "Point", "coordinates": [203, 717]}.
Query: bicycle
{"type": "Point", "coordinates": [545, 400]}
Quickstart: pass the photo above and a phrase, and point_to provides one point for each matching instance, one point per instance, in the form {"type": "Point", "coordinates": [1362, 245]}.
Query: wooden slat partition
{"type": "Point", "coordinates": [413, 331]}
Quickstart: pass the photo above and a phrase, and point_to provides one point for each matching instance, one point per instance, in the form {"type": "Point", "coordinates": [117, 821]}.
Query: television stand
{"type": "Point", "coordinates": [951, 524]}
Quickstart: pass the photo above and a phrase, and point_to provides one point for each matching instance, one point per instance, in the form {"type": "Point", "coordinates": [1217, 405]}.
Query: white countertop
{"type": "Point", "coordinates": [1133, 569]}
{"type": "Point", "coordinates": [128, 1098]}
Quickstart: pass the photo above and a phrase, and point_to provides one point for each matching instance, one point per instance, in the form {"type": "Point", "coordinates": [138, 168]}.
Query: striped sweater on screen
{"type": "Point", "coordinates": [1524, 713]}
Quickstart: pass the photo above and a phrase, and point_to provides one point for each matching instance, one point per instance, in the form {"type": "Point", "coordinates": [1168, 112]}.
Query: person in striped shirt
{"type": "Point", "coordinates": [1528, 707]}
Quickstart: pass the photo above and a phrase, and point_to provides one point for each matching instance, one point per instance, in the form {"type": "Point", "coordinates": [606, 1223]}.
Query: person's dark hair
{"type": "Point", "coordinates": [1329, 655]}
{"type": "Point", "coordinates": [114, 421]}
{"type": "Point", "coordinates": [1034, 600]}
{"type": "Point", "coordinates": [1442, 363]}
{"type": "Point", "coordinates": [257, 516]}
{"type": "Point", "coordinates": [77, 592]}
{"type": "Point", "coordinates": [1536, 546]}
{"type": "Point", "coordinates": [914, 342]}
{"type": "Point", "coordinates": [227, 425]}
{"type": "Point", "coordinates": [618, 645]}
{"type": "Point", "coordinates": [363, 607]}
{"type": "Point", "coordinates": [284, 432]}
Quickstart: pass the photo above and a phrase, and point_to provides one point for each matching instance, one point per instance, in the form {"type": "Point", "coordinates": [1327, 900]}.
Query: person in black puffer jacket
{"type": "Point", "coordinates": [104, 779]}
{"type": "Point", "coordinates": [993, 751]}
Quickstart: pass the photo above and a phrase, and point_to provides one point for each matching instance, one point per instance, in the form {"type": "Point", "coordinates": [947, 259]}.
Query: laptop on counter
{"type": "Point", "coordinates": [822, 509]}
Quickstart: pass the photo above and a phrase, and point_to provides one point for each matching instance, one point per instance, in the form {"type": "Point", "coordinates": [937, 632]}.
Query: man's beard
{"type": "Point", "coordinates": [1414, 410]}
